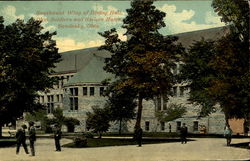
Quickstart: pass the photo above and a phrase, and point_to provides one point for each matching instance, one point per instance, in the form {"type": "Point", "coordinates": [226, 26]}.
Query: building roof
{"type": "Point", "coordinates": [92, 73]}
{"type": "Point", "coordinates": [188, 38]}
{"type": "Point", "coordinates": [76, 60]}
{"type": "Point", "coordinates": [88, 63]}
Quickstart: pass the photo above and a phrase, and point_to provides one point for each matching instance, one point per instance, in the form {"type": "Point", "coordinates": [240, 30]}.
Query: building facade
{"type": "Point", "coordinates": [80, 88]}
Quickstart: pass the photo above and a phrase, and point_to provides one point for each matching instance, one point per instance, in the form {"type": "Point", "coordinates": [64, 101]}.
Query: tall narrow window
{"type": "Point", "coordinates": [84, 91]}
{"type": "Point", "coordinates": [178, 125]}
{"type": "Point", "coordinates": [195, 125]}
{"type": "Point", "coordinates": [58, 98]}
{"type": "Point", "coordinates": [159, 103]}
{"type": "Point", "coordinates": [50, 104]}
{"type": "Point", "coordinates": [101, 91]}
{"type": "Point", "coordinates": [162, 126]}
{"type": "Point", "coordinates": [73, 99]}
{"type": "Point", "coordinates": [147, 126]}
{"type": "Point", "coordinates": [92, 91]}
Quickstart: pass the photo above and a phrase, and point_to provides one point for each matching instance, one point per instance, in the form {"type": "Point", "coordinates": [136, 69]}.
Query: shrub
{"type": "Point", "coordinates": [80, 141]}
{"type": "Point", "coordinates": [88, 135]}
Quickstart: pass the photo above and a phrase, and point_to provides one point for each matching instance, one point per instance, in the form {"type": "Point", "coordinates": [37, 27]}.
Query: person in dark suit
{"type": "Point", "coordinates": [139, 136]}
{"type": "Point", "coordinates": [21, 139]}
{"type": "Point", "coordinates": [183, 133]}
{"type": "Point", "coordinates": [57, 137]}
{"type": "Point", "coordinates": [32, 137]}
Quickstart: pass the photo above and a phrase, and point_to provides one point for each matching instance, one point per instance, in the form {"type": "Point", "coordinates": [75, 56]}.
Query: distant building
{"type": "Point", "coordinates": [80, 88]}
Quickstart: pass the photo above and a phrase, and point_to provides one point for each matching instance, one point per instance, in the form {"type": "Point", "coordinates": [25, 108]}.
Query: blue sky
{"type": "Point", "coordinates": [182, 16]}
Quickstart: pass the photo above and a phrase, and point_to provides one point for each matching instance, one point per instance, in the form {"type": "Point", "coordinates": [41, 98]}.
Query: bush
{"type": "Point", "coordinates": [80, 141]}
{"type": "Point", "coordinates": [88, 135]}
{"type": "Point", "coordinates": [48, 129]}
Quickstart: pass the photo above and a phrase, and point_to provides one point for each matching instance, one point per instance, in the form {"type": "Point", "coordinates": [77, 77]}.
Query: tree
{"type": "Point", "coordinates": [144, 61]}
{"type": "Point", "coordinates": [27, 56]}
{"type": "Point", "coordinates": [58, 118]}
{"type": "Point", "coordinates": [98, 120]}
{"type": "Point", "coordinates": [121, 104]}
{"type": "Point", "coordinates": [198, 73]}
{"type": "Point", "coordinates": [39, 115]}
{"type": "Point", "coordinates": [174, 111]}
{"type": "Point", "coordinates": [219, 70]}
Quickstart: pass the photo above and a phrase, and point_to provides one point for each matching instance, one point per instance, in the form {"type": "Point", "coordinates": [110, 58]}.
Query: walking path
{"type": "Point", "coordinates": [201, 149]}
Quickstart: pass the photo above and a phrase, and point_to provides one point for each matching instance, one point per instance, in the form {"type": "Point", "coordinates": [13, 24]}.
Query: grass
{"type": "Point", "coordinates": [96, 142]}
{"type": "Point", "coordinates": [145, 134]}
{"type": "Point", "coordinates": [7, 142]}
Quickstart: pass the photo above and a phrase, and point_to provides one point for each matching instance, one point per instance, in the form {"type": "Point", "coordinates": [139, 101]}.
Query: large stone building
{"type": "Point", "coordinates": [80, 88]}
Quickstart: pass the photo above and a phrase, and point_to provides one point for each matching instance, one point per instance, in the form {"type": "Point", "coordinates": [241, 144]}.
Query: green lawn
{"type": "Point", "coordinates": [7, 142]}
{"type": "Point", "coordinates": [96, 142]}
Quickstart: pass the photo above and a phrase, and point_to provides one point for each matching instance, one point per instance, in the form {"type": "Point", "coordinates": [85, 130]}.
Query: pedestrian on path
{"type": "Point", "coordinates": [57, 137]}
{"type": "Point", "coordinates": [169, 127]}
{"type": "Point", "coordinates": [228, 134]}
{"type": "Point", "coordinates": [21, 139]}
{"type": "Point", "coordinates": [32, 137]}
{"type": "Point", "coordinates": [183, 133]}
{"type": "Point", "coordinates": [138, 133]}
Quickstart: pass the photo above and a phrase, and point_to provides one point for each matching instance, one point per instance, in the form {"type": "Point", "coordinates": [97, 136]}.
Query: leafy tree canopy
{"type": "Point", "coordinates": [173, 112]}
{"type": "Point", "coordinates": [144, 61]}
{"type": "Point", "coordinates": [27, 56]}
{"type": "Point", "coordinates": [98, 120]}
{"type": "Point", "coordinates": [121, 104]}
{"type": "Point", "coordinates": [219, 70]}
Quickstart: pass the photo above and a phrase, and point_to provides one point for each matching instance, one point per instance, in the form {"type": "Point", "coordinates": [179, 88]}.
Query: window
{"type": "Point", "coordinates": [181, 91]}
{"type": "Point", "coordinates": [58, 98]}
{"type": "Point", "coordinates": [158, 103]}
{"type": "Point", "coordinates": [62, 81]}
{"type": "Point", "coordinates": [50, 108]}
{"type": "Point", "coordinates": [50, 104]}
{"type": "Point", "coordinates": [162, 126]}
{"type": "Point", "coordinates": [74, 91]}
{"type": "Point", "coordinates": [175, 91]}
{"type": "Point", "coordinates": [73, 99]}
{"type": "Point", "coordinates": [195, 125]}
{"type": "Point", "coordinates": [61, 97]}
{"type": "Point", "coordinates": [101, 91]}
{"type": "Point", "coordinates": [85, 91]}
{"type": "Point", "coordinates": [178, 125]}
{"type": "Point", "coordinates": [92, 91]}
{"type": "Point", "coordinates": [147, 126]}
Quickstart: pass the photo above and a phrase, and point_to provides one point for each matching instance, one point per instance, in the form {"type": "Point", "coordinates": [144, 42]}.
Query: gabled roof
{"type": "Point", "coordinates": [76, 60]}
{"type": "Point", "coordinates": [92, 72]}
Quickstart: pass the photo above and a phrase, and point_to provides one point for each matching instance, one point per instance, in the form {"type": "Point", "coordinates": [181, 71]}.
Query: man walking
{"type": "Point", "coordinates": [57, 137]}
{"type": "Point", "coordinates": [32, 137]}
{"type": "Point", "coordinates": [228, 134]}
{"type": "Point", "coordinates": [21, 139]}
{"type": "Point", "coordinates": [139, 136]}
{"type": "Point", "coordinates": [183, 134]}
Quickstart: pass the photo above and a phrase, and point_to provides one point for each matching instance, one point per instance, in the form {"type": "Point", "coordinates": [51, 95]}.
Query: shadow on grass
{"type": "Point", "coordinates": [7, 142]}
{"type": "Point", "coordinates": [245, 145]}
{"type": "Point", "coordinates": [104, 142]}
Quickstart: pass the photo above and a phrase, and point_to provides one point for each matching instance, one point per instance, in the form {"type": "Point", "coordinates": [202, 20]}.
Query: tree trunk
{"type": "Point", "coordinates": [139, 114]}
{"type": "Point", "coordinates": [1, 130]}
{"type": "Point", "coordinates": [120, 127]}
